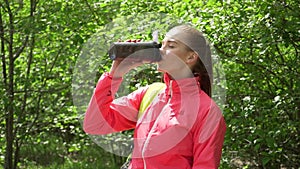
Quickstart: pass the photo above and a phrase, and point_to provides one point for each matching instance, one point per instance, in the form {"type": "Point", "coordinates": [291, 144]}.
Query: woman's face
{"type": "Point", "coordinates": [174, 56]}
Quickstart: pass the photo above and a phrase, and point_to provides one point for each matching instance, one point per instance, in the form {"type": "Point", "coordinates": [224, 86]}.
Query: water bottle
{"type": "Point", "coordinates": [146, 51]}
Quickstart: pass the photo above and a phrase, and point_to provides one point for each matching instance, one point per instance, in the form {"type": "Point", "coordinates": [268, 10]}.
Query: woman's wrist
{"type": "Point", "coordinates": [116, 70]}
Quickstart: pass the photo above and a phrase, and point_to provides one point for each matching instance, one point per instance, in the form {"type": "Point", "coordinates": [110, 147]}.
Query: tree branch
{"type": "Point", "coordinates": [32, 45]}
{"type": "Point", "coordinates": [234, 24]}
{"type": "Point", "coordinates": [93, 12]}
{"type": "Point", "coordinates": [2, 48]}
{"type": "Point", "coordinates": [21, 48]}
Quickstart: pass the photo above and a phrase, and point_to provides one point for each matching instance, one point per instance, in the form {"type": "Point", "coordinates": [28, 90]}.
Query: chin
{"type": "Point", "coordinates": [162, 67]}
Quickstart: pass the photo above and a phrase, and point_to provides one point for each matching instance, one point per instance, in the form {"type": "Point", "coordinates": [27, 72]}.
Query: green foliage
{"type": "Point", "coordinates": [49, 152]}
{"type": "Point", "coordinates": [258, 43]}
{"type": "Point", "coordinates": [260, 51]}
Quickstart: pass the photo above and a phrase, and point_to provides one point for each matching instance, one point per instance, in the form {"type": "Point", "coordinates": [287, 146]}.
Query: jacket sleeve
{"type": "Point", "coordinates": [208, 140]}
{"type": "Point", "coordinates": [107, 115]}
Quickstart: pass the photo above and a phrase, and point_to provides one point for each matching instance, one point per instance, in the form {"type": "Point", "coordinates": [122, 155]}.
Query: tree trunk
{"type": "Point", "coordinates": [9, 116]}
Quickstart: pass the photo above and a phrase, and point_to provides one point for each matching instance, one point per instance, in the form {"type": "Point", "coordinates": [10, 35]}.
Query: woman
{"type": "Point", "coordinates": [182, 128]}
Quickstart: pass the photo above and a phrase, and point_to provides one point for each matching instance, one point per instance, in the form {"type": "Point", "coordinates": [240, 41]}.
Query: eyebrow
{"type": "Point", "coordinates": [170, 40]}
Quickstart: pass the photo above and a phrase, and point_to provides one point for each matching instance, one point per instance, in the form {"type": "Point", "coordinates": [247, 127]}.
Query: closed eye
{"type": "Point", "coordinates": [170, 43]}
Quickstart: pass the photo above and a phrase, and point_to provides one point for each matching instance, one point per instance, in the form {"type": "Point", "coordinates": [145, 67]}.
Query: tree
{"type": "Point", "coordinates": [258, 43]}
{"type": "Point", "coordinates": [39, 44]}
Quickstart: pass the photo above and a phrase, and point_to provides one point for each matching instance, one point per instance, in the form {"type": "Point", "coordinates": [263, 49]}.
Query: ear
{"type": "Point", "coordinates": [192, 58]}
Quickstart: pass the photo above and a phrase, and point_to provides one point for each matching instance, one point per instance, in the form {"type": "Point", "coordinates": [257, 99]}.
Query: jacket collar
{"type": "Point", "coordinates": [186, 85]}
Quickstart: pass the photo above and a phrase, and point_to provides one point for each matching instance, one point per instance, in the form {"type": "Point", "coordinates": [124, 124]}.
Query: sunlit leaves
{"type": "Point", "coordinates": [257, 41]}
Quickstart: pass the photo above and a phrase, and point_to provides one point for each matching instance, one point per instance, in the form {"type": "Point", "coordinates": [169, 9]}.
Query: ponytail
{"type": "Point", "coordinates": [205, 77]}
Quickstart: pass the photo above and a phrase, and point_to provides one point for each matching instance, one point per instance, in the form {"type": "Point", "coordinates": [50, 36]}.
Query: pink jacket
{"type": "Point", "coordinates": [182, 128]}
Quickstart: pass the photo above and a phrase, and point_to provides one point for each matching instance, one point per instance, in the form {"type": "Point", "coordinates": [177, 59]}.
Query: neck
{"type": "Point", "coordinates": [182, 74]}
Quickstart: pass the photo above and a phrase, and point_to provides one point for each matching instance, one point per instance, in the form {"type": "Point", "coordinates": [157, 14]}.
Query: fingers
{"type": "Point", "coordinates": [120, 68]}
{"type": "Point", "coordinates": [131, 40]}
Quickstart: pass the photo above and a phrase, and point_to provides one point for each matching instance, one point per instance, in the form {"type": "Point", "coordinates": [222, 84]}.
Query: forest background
{"type": "Point", "coordinates": [41, 43]}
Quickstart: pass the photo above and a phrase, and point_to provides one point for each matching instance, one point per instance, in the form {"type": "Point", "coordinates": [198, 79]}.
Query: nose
{"type": "Point", "coordinates": [162, 51]}
{"type": "Point", "coordinates": [162, 46]}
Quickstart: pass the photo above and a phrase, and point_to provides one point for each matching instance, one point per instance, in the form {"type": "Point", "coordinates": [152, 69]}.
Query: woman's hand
{"type": "Point", "coordinates": [120, 67]}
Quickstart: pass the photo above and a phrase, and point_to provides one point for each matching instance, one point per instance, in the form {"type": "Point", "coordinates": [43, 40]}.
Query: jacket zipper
{"type": "Point", "coordinates": [155, 123]}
